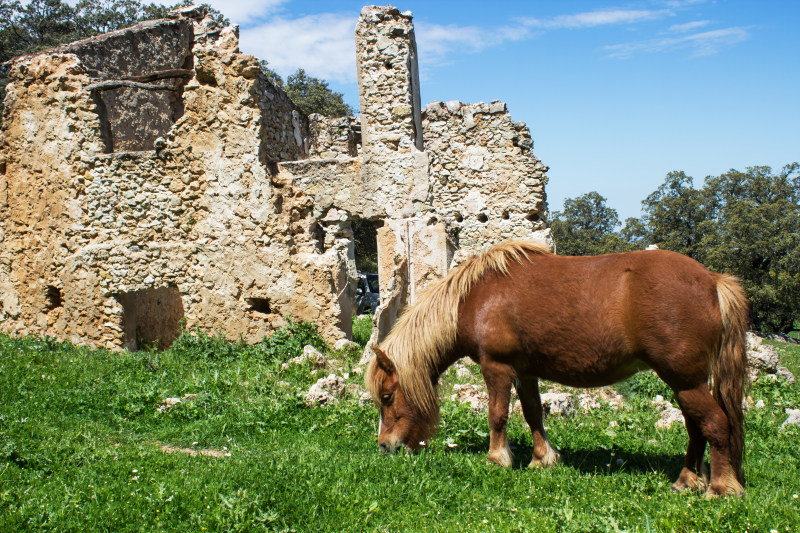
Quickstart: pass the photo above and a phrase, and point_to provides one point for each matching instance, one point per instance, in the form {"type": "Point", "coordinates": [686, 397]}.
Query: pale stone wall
{"type": "Point", "coordinates": [208, 197]}
{"type": "Point", "coordinates": [486, 181]}
{"type": "Point", "coordinates": [199, 215]}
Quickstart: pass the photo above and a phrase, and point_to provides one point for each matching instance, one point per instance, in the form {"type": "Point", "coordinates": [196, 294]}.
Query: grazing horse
{"type": "Point", "coordinates": [524, 313]}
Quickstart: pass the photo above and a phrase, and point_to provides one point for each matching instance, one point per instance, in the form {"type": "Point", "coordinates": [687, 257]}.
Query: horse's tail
{"type": "Point", "coordinates": [729, 371]}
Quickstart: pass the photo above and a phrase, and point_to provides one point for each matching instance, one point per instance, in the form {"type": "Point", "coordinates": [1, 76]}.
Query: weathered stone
{"type": "Point", "coordinates": [342, 344]}
{"type": "Point", "coordinates": [793, 420]}
{"type": "Point", "coordinates": [670, 415]}
{"type": "Point", "coordinates": [761, 356]}
{"type": "Point", "coordinates": [476, 397]}
{"type": "Point", "coordinates": [558, 403]}
{"type": "Point", "coordinates": [126, 211]}
{"type": "Point", "coordinates": [325, 391]}
{"type": "Point", "coordinates": [785, 373]}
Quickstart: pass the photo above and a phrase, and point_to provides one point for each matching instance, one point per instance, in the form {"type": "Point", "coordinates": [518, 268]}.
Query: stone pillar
{"type": "Point", "coordinates": [388, 80]}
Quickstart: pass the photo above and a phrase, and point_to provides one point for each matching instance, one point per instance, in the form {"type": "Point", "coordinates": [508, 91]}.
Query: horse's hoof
{"type": "Point", "coordinates": [550, 458]}
{"type": "Point", "coordinates": [690, 481]}
{"type": "Point", "coordinates": [503, 458]}
{"type": "Point", "coordinates": [731, 489]}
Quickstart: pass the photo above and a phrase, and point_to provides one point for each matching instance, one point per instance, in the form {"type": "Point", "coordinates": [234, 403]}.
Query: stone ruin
{"type": "Point", "coordinates": [153, 178]}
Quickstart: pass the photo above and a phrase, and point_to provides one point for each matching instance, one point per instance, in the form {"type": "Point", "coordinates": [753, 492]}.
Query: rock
{"type": "Point", "coordinates": [168, 403]}
{"type": "Point", "coordinates": [477, 398]}
{"type": "Point", "coordinates": [669, 416]}
{"type": "Point", "coordinates": [310, 354]}
{"type": "Point", "coordinates": [341, 344]}
{"type": "Point", "coordinates": [453, 106]}
{"type": "Point", "coordinates": [325, 391]}
{"type": "Point", "coordinates": [660, 403]}
{"type": "Point", "coordinates": [761, 356]}
{"type": "Point", "coordinates": [793, 420]}
{"type": "Point", "coordinates": [558, 403]}
{"type": "Point", "coordinates": [462, 372]}
{"type": "Point", "coordinates": [587, 402]}
{"type": "Point", "coordinates": [785, 374]}
{"type": "Point", "coordinates": [365, 399]}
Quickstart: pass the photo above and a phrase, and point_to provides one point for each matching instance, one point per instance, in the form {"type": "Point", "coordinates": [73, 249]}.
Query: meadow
{"type": "Point", "coordinates": [88, 443]}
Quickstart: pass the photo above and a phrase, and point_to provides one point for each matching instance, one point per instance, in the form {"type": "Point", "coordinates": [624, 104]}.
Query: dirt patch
{"type": "Point", "coordinates": [211, 452]}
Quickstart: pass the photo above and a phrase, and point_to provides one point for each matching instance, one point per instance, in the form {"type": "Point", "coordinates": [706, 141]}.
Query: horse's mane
{"type": "Point", "coordinates": [426, 331]}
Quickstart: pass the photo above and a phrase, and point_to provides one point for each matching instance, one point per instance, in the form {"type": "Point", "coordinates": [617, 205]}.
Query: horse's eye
{"type": "Point", "coordinates": [387, 398]}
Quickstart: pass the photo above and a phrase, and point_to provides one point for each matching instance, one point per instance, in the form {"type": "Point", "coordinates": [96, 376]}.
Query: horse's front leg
{"type": "Point", "coordinates": [498, 379]}
{"type": "Point", "coordinates": [543, 452]}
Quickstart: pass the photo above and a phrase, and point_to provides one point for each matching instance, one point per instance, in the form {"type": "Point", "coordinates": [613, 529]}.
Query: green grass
{"type": "Point", "coordinates": [789, 356]}
{"type": "Point", "coordinates": [81, 438]}
{"type": "Point", "coordinates": [362, 329]}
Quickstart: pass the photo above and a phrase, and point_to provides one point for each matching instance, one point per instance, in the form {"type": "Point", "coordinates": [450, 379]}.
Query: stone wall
{"type": "Point", "coordinates": [485, 179]}
{"type": "Point", "coordinates": [154, 176]}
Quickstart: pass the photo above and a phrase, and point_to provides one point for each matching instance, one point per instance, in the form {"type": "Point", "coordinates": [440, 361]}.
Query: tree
{"type": "Point", "coordinates": [102, 16]}
{"type": "Point", "coordinates": [312, 95]}
{"type": "Point", "coordinates": [676, 216]}
{"type": "Point", "coordinates": [586, 227]}
{"type": "Point", "coordinates": [757, 237]}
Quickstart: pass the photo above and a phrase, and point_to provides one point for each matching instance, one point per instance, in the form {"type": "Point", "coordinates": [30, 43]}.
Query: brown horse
{"type": "Point", "coordinates": [523, 314]}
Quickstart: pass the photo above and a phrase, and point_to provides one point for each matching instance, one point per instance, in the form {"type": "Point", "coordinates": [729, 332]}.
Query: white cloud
{"type": "Point", "coordinates": [684, 3]}
{"type": "Point", "coordinates": [323, 44]}
{"type": "Point", "coordinates": [689, 26]}
{"type": "Point", "coordinates": [701, 44]}
{"type": "Point", "coordinates": [243, 11]}
{"type": "Point", "coordinates": [597, 18]}
{"type": "Point", "coordinates": [436, 42]}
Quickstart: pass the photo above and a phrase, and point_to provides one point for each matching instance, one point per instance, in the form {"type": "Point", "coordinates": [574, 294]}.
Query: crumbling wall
{"type": "Point", "coordinates": [334, 138]}
{"type": "Point", "coordinates": [154, 176]}
{"type": "Point", "coordinates": [135, 114]}
{"type": "Point", "coordinates": [198, 215]}
{"type": "Point", "coordinates": [485, 179]}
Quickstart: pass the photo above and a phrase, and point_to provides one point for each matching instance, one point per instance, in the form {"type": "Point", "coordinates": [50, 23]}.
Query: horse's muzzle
{"type": "Point", "coordinates": [388, 447]}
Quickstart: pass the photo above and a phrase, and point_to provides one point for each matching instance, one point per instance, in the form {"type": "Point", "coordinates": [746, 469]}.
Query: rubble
{"type": "Point", "coordinates": [793, 420]}
{"type": "Point", "coordinates": [558, 403]}
{"type": "Point", "coordinates": [325, 391]}
{"type": "Point", "coordinates": [310, 355]}
{"type": "Point", "coordinates": [475, 396]}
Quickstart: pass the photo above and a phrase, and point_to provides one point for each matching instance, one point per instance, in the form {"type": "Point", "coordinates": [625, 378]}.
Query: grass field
{"type": "Point", "coordinates": [83, 446]}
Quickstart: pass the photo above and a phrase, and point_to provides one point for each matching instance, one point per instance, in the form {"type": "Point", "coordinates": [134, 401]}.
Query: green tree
{"type": "Point", "coordinates": [676, 216]}
{"type": "Point", "coordinates": [757, 237]}
{"type": "Point", "coordinates": [312, 95]}
{"type": "Point", "coordinates": [102, 16]}
{"type": "Point", "coordinates": [586, 227]}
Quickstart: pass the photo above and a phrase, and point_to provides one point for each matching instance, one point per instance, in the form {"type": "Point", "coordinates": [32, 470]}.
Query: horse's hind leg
{"type": "Point", "coordinates": [693, 475]}
{"type": "Point", "coordinates": [498, 379]}
{"type": "Point", "coordinates": [698, 404]}
{"type": "Point", "coordinates": [543, 453]}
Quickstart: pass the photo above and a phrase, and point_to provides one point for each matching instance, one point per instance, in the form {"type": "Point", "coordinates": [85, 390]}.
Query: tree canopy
{"type": "Point", "coordinates": [587, 225]}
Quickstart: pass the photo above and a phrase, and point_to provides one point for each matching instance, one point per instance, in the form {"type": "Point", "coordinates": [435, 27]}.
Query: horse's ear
{"type": "Point", "coordinates": [383, 360]}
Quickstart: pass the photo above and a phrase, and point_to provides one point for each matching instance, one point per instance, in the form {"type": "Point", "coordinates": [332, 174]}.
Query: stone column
{"type": "Point", "coordinates": [388, 80]}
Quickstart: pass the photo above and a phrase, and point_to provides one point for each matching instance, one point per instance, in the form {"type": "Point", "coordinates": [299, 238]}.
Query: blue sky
{"type": "Point", "coordinates": [616, 94]}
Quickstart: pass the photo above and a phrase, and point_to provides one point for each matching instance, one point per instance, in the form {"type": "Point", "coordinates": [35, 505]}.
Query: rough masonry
{"type": "Point", "coordinates": [153, 178]}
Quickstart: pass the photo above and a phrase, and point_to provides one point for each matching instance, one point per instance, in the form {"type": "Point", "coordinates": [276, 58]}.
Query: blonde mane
{"type": "Point", "coordinates": [426, 332]}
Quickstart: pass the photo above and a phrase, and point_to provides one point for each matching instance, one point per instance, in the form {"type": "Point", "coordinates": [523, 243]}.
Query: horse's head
{"type": "Point", "coordinates": [403, 425]}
